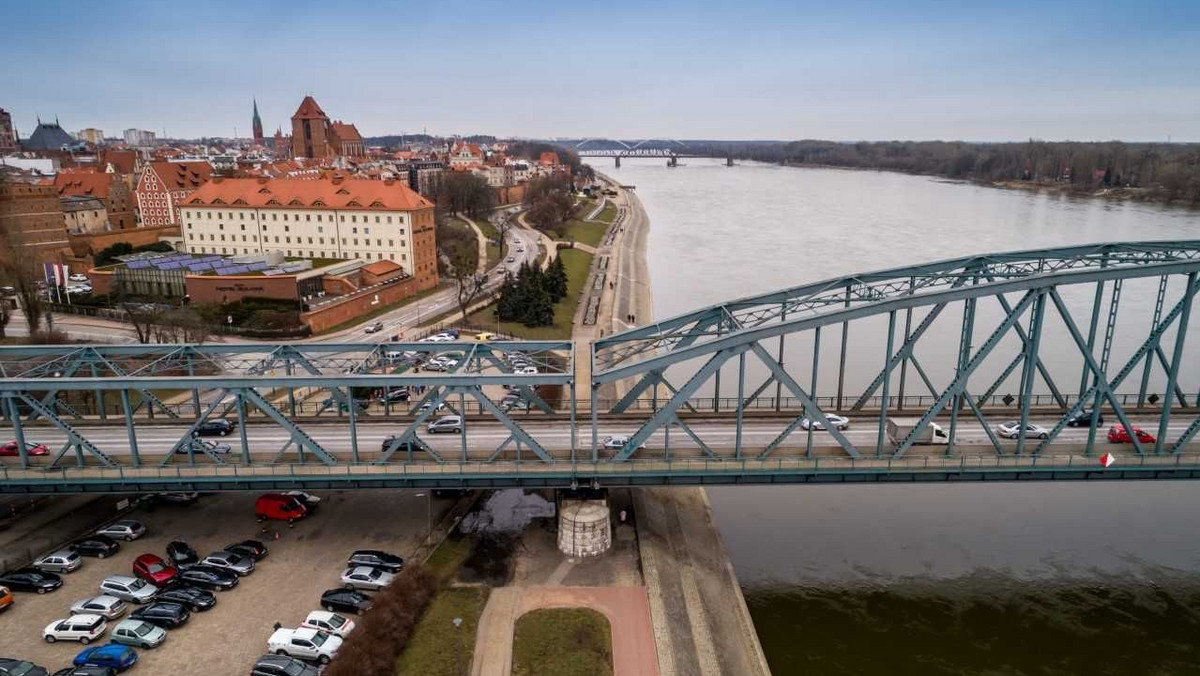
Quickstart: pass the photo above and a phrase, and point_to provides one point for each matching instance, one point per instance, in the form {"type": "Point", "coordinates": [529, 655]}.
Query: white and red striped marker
{"type": "Point", "coordinates": [1107, 459]}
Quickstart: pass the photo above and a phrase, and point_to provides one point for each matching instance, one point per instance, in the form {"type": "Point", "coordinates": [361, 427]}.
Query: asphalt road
{"type": "Point", "coordinates": [483, 437]}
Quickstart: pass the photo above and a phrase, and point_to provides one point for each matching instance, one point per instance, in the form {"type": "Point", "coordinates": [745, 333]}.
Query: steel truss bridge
{"type": "Point", "coordinates": [1035, 337]}
{"type": "Point", "coordinates": [656, 148]}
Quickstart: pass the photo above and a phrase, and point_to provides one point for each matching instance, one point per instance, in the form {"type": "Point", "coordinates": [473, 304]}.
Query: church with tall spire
{"type": "Point", "coordinates": [256, 123]}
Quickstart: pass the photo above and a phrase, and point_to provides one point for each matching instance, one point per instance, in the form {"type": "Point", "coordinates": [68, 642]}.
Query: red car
{"type": "Point", "coordinates": [1119, 435]}
{"type": "Point", "coordinates": [10, 449]}
{"type": "Point", "coordinates": [153, 569]}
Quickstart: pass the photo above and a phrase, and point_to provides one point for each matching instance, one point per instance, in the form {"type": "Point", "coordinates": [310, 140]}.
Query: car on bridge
{"type": "Point", "coordinates": [10, 449]}
{"type": "Point", "coordinates": [401, 447]}
{"type": "Point", "coordinates": [375, 328]}
{"type": "Point", "coordinates": [448, 423]}
{"type": "Point", "coordinates": [1084, 419]}
{"type": "Point", "coordinates": [200, 446]}
{"type": "Point", "coordinates": [1012, 428]}
{"type": "Point", "coordinates": [219, 427]}
{"type": "Point", "coordinates": [1119, 434]}
{"type": "Point", "coordinates": [842, 423]}
{"type": "Point", "coordinates": [617, 442]}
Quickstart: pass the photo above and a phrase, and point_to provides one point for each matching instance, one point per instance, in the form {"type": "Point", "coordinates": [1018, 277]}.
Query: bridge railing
{"type": "Point", "coordinates": [322, 409]}
{"type": "Point", "coordinates": [445, 473]}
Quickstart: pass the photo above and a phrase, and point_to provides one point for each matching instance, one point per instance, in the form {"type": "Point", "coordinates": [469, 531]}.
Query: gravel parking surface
{"type": "Point", "coordinates": [305, 561]}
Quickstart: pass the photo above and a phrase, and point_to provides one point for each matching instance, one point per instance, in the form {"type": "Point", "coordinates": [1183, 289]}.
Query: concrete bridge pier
{"type": "Point", "coordinates": [729, 161]}
{"type": "Point", "coordinates": [618, 159]}
{"type": "Point", "coordinates": [673, 161]}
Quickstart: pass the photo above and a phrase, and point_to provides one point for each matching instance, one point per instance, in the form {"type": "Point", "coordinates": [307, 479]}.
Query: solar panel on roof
{"type": "Point", "coordinates": [139, 265]}
{"type": "Point", "coordinates": [255, 267]}
{"type": "Point", "coordinates": [271, 272]}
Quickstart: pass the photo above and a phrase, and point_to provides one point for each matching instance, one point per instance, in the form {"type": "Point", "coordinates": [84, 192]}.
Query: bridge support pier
{"type": "Point", "coordinates": [618, 159]}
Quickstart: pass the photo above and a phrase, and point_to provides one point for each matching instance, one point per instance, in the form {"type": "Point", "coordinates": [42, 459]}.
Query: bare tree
{"type": "Point", "coordinates": [6, 312]}
{"type": "Point", "coordinates": [22, 270]}
{"type": "Point", "coordinates": [469, 288]}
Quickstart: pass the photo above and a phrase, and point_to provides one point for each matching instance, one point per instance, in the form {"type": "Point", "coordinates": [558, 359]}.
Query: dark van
{"type": "Point", "coordinates": [279, 507]}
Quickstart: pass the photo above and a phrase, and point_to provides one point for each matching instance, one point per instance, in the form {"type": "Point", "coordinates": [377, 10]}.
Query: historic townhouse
{"type": "Point", "coordinates": [325, 218]}
{"type": "Point", "coordinates": [164, 186]}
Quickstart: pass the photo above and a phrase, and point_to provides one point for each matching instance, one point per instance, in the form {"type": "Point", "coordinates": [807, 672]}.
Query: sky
{"type": "Point", "coordinates": [845, 70]}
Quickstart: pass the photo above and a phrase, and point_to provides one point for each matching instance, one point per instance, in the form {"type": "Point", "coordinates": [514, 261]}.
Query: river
{"type": "Point", "coordinates": [927, 579]}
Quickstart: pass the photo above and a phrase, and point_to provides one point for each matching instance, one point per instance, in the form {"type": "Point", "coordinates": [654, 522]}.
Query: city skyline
{"type": "Point", "coordinates": [863, 70]}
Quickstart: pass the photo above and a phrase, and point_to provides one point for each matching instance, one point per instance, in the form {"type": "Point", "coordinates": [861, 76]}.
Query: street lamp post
{"type": "Point", "coordinates": [428, 514]}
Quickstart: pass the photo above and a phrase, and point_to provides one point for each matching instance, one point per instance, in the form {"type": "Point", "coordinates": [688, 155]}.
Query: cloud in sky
{"type": "Point", "coordinates": [855, 69]}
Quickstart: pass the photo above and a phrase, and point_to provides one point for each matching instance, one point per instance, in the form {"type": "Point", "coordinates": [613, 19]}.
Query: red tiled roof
{"type": "Point", "coordinates": [346, 132]}
{"type": "Point", "coordinates": [182, 175]}
{"type": "Point", "coordinates": [318, 194]}
{"type": "Point", "coordinates": [309, 109]}
{"type": "Point", "coordinates": [84, 184]}
{"type": "Point", "coordinates": [123, 161]}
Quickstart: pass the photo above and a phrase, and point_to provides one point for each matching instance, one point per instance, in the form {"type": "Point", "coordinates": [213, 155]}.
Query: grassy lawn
{"type": "Point", "coordinates": [449, 556]}
{"type": "Point", "coordinates": [438, 647]}
{"type": "Point", "coordinates": [563, 642]}
{"type": "Point", "coordinates": [608, 213]}
{"type": "Point", "coordinates": [584, 231]}
{"type": "Point", "coordinates": [577, 263]}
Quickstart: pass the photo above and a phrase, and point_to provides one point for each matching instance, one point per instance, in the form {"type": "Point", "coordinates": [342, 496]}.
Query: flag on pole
{"type": "Point", "coordinates": [1107, 459]}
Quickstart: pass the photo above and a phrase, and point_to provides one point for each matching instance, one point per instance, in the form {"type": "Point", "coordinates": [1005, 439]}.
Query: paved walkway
{"type": "Point", "coordinates": [627, 610]}
{"type": "Point", "coordinates": [481, 266]}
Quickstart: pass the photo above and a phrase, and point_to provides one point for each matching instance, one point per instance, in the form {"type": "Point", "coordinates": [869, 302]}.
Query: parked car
{"type": "Point", "coordinates": [175, 498]}
{"type": "Point", "coordinates": [447, 423]}
{"type": "Point", "coordinates": [345, 600]}
{"type": "Point", "coordinates": [1084, 419]}
{"type": "Point", "coordinates": [77, 277]}
{"type": "Point", "coordinates": [279, 507]}
{"type": "Point", "coordinates": [1010, 430]}
{"type": "Point", "coordinates": [30, 579]}
{"type": "Point", "coordinates": [86, 670]}
{"type": "Point", "coordinates": [255, 550]}
{"type": "Point", "coordinates": [99, 546]}
{"type": "Point", "coordinates": [181, 554]}
{"type": "Point", "coordinates": [376, 559]}
{"type": "Point", "coordinates": [840, 422]}
{"type": "Point", "coordinates": [11, 667]}
{"type": "Point", "coordinates": [366, 577]}
{"type": "Point", "coordinates": [112, 655]}
{"type": "Point", "coordinates": [510, 259]}
{"type": "Point", "coordinates": [242, 565]}
{"type": "Point", "coordinates": [1117, 434]}
{"type": "Point", "coordinates": [108, 607]}
{"type": "Point", "coordinates": [193, 598]}
{"type": "Point", "coordinates": [218, 427]}
{"type": "Point", "coordinates": [199, 446]}
{"type": "Point", "coordinates": [154, 570]}
{"type": "Point", "coordinates": [138, 633]}
{"type": "Point", "coordinates": [305, 643]}
{"type": "Point", "coordinates": [6, 598]}
{"type": "Point", "coordinates": [208, 577]}
{"type": "Point", "coordinates": [126, 529]}
{"type": "Point", "coordinates": [163, 614]}
{"type": "Point", "coordinates": [484, 336]}
{"type": "Point", "coordinates": [393, 396]}
{"type": "Point", "coordinates": [338, 625]}
{"type": "Point", "coordinates": [375, 328]}
{"type": "Point", "coordinates": [31, 449]}
{"type": "Point", "coordinates": [82, 628]}
{"type": "Point", "coordinates": [307, 499]}
{"type": "Point", "coordinates": [282, 665]}
{"type": "Point", "coordinates": [128, 588]}
{"type": "Point", "coordinates": [62, 561]}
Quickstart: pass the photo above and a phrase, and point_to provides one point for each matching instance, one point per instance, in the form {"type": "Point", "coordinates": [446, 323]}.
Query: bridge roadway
{"type": "Point", "coordinates": [685, 463]}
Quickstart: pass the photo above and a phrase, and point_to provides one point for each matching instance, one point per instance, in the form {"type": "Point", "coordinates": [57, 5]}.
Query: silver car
{"type": "Point", "coordinates": [840, 422]}
{"type": "Point", "coordinates": [1009, 430]}
{"type": "Point", "coordinates": [138, 634]}
{"type": "Point", "coordinates": [108, 607]}
{"type": "Point", "coordinates": [242, 565]}
{"type": "Point", "coordinates": [62, 561]}
{"type": "Point", "coordinates": [127, 530]}
{"type": "Point", "coordinates": [366, 577]}
{"type": "Point", "coordinates": [128, 588]}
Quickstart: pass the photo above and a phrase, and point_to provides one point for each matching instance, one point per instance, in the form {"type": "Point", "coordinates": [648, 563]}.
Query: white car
{"type": "Point", "coordinates": [366, 577]}
{"type": "Point", "coordinates": [526, 371]}
{"type": "Point", "coordinates": [127, 530]}
{"type": "Point", "coordinates": [308, 499]}
{"type": "Point", "coordinates": [78, 277]}
{"type": "Point", "coordinates": [62, 561]}
{"type": "Point", "coordinates": [616, 442]}
{"type": "Point", "coordinates": [108, 607]}
{"type": "Point", "coordinates": [1009, 430]}
{"type": "Point", "coordinates": [82, 628]}
{"type": "Point", "coordinates": [511, 259]}
{"type": "Point", "coordinates": [840, 422]}
{"type": "Point", "coordinates": [338, 625]}
{"type": "Point", "coordinates": [304, 643]}
{"type": "Point", "coordinates": [440, 338]}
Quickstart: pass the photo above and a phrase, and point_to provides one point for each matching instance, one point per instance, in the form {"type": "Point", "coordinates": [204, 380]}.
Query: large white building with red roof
{"type": "Point", "coordinates": [353, 219]}
{"type": "Point", "coordinates": [163, 186]}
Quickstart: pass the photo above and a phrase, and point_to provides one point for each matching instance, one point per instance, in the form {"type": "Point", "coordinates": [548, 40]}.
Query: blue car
{"type": "Point", "coordinates": [112, 655]}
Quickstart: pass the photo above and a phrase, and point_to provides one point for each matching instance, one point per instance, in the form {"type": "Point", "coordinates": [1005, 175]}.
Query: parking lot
{"type": "Point", "coordinates": [305, 561]}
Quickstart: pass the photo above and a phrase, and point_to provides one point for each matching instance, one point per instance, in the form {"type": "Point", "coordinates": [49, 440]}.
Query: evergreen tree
{"type": "Point", "coordinates": [556, 280]}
